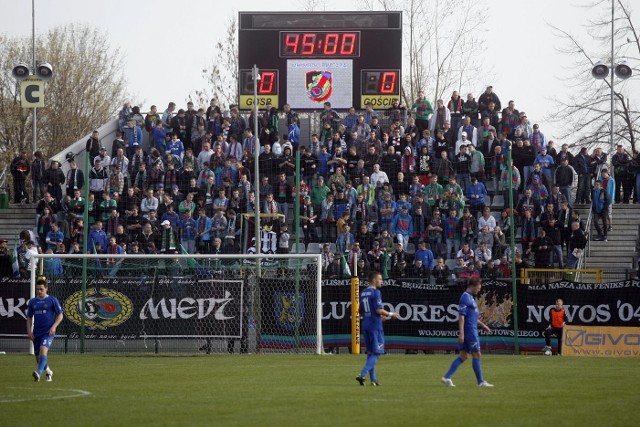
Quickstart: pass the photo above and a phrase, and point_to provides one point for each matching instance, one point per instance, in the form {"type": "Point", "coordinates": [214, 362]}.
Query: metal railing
{"type": "Point", "coordinates": [3, 179]}
{"type": "Point", "coordinates": [537, 276]}
{"type": "Point", "coordinates": [587, 250]}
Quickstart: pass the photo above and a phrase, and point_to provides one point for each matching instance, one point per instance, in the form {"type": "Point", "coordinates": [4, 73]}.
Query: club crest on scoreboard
{"type": "Point", "coordinates": [284, 305]}
{"type": "Point", "coordinates": [103, 309]}
{"type": "Point", "coordinates": [319, 85]}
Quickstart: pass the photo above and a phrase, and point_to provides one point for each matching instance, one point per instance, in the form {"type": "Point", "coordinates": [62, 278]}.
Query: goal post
{"type": "Point", "coordinates": [199, 303]}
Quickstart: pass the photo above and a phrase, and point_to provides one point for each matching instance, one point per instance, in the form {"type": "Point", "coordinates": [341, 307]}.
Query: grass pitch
{"type": "Point", "coordinates": [284, 390]}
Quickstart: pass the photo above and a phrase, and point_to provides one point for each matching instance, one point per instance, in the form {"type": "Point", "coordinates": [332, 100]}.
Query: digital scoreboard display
{"type": "Point", "coordinates": [350, 59]}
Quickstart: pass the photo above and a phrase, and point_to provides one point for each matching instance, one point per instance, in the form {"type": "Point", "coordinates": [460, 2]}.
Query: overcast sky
{"type": "Point", "coordinates": [519, 42]}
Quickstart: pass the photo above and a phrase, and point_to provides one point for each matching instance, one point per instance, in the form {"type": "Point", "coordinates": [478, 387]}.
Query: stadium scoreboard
{"type": "Point", "coordinates": [350, 59]}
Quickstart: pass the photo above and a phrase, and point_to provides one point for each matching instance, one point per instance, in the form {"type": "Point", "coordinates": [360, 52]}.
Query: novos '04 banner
{"type": "Point", "coordinates": [429, 317]}
{"type": "Point", "coordinates": [128, 308]}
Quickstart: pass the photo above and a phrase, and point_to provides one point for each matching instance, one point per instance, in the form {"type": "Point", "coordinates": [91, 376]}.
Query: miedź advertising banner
{"type": "Point", "coordinates": [128, 308]}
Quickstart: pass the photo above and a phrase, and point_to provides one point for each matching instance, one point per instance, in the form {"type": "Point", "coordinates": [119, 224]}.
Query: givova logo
{"type": "Point", "coordinates": [102, 309]}
{"type": "Point", "coordinates": [580, 338]}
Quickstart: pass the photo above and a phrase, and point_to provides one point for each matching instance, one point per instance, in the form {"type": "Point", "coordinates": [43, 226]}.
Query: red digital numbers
{"type": "Point", "coordinates": [388, 83]}
{"type": "Point", "coordinates": [267, 82]}
{"type": "Point", "coordinates": [291, 42]}
{"type": "Point", "coordinates": [308, 44]}
{"type": "Point", "coordinates": [320, 44]}
{"type": "Point", "coordinates": [348, 44]}
{"type": "Point", "coordinates": [331, 43]}
{"type": "Point", "coordinates": [380, 82]}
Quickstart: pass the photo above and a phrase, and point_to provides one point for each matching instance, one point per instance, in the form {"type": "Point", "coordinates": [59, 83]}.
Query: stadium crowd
{"type": "Point", "coordinates": [414, 192]}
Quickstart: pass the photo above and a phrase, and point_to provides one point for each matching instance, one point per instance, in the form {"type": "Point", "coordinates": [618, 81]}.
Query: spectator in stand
{"type": "Point", "coordinates": [577, 243]}
{"type": "Point", "coordinates": [514, 176]}
{"type": "Point", "coordinates": [542, 249]}
{"type": "Point", "coordinates": [423, 110]}
{"type": "Point", "coordinates": [582, 160]}
{"type": "Point", "coordinates": [538, 140]}
{"type": "Point", "coordinates": [485, 236]}
{"type": "Point", "coordinates": [597, 161]}
{"type": "Point", "coordinates": [487, 97]}
{"type": "Point", "coordinates": [441, 272]}
{"type": "Point", "coordinates": [344, 240]}
{"type": "Point", "coordinates": [600, 209]}
{"type": "Point", "coordinates": [483, 254]}
{"type": "Point", "coordinates": [132, 135]}
{"type": "Point", "coordinates": [510, 119]}
{"type": "Point", "coordinates": [402, 226]}
{"type": "Point", "coordinates": [525, 127]}
{"type": "Point", "coordinates": [97, 238]}
{"type": "Point", "coordinates": [624, 178]}
{"type": "Point", "coordinates": [425, 256]}
{"type": "Point", "coordinates": [93, 144]}
{"type": "Point", "coordinates": [43, 225]}
{"type": "Point", "coordinates": [54, 179]}
{"type": "Point", "coordinates": [175, 146]}
{"type": "Point", "coordinates": [565, 178]}
{"type": "Point", "coordinates": [546, 163]}
{"type": "Point", "coordinates": [487, 220]}
{"type": "Point", "coordinates": [20, 169]}
{"type": "Point", "coordinates": [634, 169]}
{"type": "Point", "coordinates": [529, 228]}
{"type": "Point", "coordinates": [451, 231]}
{"type": "Point", "coordinates": [470, 108]}
{"type": "Point", "coordinates": [440, 116]}
{"type": "Point", "coordinates": [37, 174]}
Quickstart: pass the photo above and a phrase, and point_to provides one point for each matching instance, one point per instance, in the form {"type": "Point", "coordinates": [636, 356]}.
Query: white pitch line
{"type": "Point", "coordinates": [79, 393]}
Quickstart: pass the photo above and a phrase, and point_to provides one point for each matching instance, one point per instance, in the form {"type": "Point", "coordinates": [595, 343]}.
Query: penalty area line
{"type": "Point", "coordinates": [77, 393]}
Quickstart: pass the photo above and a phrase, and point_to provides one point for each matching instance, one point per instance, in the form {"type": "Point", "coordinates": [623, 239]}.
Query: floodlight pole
{"type": "Point", "coordinates": [34, 130]}
{"type": "Point", "coordinates": [611, 148]}
{"type": "Point", "coordinates": [256, 153]}
{"type": "Point", "coordinates": [514, 286]}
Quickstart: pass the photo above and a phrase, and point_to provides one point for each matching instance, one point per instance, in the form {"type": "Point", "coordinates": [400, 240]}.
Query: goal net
{"type": "Point", "coordinates": [187, 303]}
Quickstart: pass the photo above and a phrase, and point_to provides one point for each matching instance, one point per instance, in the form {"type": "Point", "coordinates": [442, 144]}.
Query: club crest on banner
{"type": "Point", "coordinates": [103, 309]}
{"type": "Point", "coordinates": [284, 305]}
{"type": "Point", "coordinates": [319, 85]}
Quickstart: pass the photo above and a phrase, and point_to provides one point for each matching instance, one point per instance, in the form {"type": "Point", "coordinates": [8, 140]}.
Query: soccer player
{"type": "Point", "coordinates": [372, 317]}
{"type": "Point", "coordinates": [468, 341]}
{"type": "Point", "coordinates": [44, 314]}
{"type": "Point", "coordinates": [558, 320]}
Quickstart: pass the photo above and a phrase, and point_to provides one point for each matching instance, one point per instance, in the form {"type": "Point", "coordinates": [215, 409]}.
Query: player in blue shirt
{"type": "Point", "coordinates": [372, 317]}
{"type": "Point", "coordinates": [468, 340]}
{"type": "Point", "coordinates": [44, 314]}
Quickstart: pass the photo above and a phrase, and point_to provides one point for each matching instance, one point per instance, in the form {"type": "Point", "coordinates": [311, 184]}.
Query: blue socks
{"type": "Point", "coordinates": [454, 367]}
{"type": "Point", "coordinates": [42, 363]}
{"type": "Point", "coordinates": [477, 369]}
{"type": "Point", "coordinates": [370, 367]}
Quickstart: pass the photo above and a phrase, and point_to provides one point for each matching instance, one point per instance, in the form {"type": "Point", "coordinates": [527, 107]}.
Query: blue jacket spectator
{"type": "Point", "coordinates": [402, 224]}
{"type": "Point", "coordinates": [97, 236]}
{"type": "Point", "coordinates": [426, 256]}
{"type": "Point", "coordinates": [476, 193]}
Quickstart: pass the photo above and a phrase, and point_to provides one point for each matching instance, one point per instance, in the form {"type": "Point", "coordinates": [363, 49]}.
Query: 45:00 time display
{"type": "Point", "coordinates": [320, 44]}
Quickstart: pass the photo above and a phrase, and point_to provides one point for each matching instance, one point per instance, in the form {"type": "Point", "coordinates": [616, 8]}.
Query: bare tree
{"type": "Point", "coordinates": [222, 75]}
{"type": "Point", "coordinates": [87, 89]}
{"type": "Point", "coordinates": [585, 113]}
{"type": "Point", "coordinates": [442, 45]}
